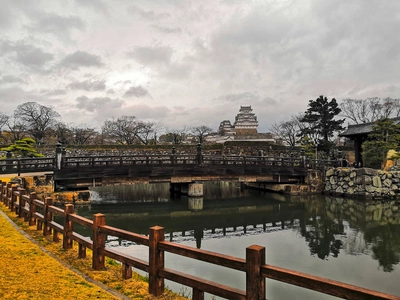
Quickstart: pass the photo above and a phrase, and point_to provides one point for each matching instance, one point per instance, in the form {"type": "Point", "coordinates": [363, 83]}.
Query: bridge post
{"type": "Point", "coordinates": [303, 158]}
{"type": "Point", "coordinates": [199, 155]}
{"type": "Point", "coordinates": [156, 261]}
{"type": "Point", "coordinates": [8, 161]}
{"type": "Point", "coordinates": [58, 156]}
{"type": "Point", "coordinates": [255, 282]}
{"type": "Point", "coordinates": [173, 158]}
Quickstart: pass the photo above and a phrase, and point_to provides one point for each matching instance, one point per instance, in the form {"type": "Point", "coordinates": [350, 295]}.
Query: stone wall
{"type": "Point", "coordinates": [364, 215]}
{"type": "Point", "coordinates": [363, 182]}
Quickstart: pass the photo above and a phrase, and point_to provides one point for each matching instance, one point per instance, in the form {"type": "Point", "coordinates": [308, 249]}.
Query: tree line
{"type": "Point", "coordinates": [43, 125]}
{"type": "Point", "coordinates": [316, 129]}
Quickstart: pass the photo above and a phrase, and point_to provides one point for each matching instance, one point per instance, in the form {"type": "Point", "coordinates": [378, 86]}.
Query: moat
{"type": "Point", "coordinates": [341, 239]}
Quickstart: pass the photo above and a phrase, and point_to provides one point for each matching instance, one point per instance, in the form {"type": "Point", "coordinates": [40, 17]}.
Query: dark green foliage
{"type": "Point", "coordinates": [385, 136]}
{"type": "Point", "coordinates": [321, 123]}
{"type": "Point", "coordinates": [23, 148]}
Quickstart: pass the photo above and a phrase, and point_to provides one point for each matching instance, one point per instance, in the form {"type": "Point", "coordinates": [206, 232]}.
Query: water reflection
{"type": "Point", "coordinates": [330, 226]}
{"type": "Point", "coordinates": [336, 238]}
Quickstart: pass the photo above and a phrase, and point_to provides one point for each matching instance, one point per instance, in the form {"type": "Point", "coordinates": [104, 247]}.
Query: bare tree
{"type": "Point", "coordinates": [4, 118]}
{"type": "Point", "coordinates": [37, 118]}
{"type": "Point", "coordinates": [288, 131]}
{"type": "Point", "coordinates": [83, 134]}
{"type": "Point", "coordinates": [16, 129]}
{"type": "Point", "coordinates": [63, 133]}
{"type": "Point", "coordinates": [201, 132]}
{"type": "Point", "coordinates": [369, 110]}
{"type": "Point", "coordinates": [174, 136]}
{"type": "Point", "coordinates": [124, 130]}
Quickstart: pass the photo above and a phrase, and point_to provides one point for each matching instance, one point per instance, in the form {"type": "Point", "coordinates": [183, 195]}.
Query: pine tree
{"type": "Point", "coordinates": [321, 122]}
{"type": "Point", "coordinates": [385, 136]}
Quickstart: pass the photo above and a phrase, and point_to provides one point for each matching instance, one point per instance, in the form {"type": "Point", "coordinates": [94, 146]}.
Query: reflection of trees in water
{"type": "Point", "coordinates": [377, 237]}
{"type": "Point", "coordinates": [320, 231]}
{"type": "Point", "coordinates": [385, 245]}
{"type": "Point", "coordinates": [320, 234]}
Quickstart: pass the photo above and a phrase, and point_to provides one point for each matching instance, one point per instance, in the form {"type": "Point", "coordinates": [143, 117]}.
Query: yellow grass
{"type": "Point", "coordinates": [28, 273]}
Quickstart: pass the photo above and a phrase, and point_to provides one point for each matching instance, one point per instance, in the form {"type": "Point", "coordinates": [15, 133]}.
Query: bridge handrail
{"type": "Point", "coordinates": [254, 265]}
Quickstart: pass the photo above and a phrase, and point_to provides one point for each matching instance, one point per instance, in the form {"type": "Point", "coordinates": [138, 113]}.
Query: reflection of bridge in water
{"type": "Point", "coordinates": [210, 223]}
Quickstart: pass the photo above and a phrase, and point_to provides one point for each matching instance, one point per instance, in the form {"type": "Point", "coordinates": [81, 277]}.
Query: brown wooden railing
{"type": "Point", "coordinates": [42, 213]}
{"type": "Point", "coordinates": [24, 165]}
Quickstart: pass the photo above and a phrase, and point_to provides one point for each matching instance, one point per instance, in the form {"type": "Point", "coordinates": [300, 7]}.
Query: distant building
{"type": "Point", "coordinates": [244, 128]}
{"type": "Point", "coordinates": [245, 123]}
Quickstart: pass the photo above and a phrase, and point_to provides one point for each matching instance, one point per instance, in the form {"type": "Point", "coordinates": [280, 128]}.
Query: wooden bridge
{"type": "Point", "coordinates": [41, 213]}
{"type": "Point", "coordinates": [71, 172]}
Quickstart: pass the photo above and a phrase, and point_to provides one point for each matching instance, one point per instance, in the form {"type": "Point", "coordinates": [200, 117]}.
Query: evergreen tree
{"type": "Point", "coordinates": [321, 122]}
{"type": "Point", "coordinates": [23, 148]}
{"type": "Point", "coordinates": [385, 136]}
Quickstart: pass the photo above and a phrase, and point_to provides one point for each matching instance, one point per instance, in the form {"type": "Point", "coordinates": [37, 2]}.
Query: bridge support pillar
{"type": "Point", "coordinates": [195, 190]}
{"type": "Point", "coordinates": [195, 203]}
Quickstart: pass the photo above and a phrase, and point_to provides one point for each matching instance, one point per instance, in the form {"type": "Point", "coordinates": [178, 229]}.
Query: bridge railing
{"type": "Point", "coordinates": [254, 265]}
{"type": "Point", "coordinates": [24, 165]}
{"type": "Point", "coordinates": [126, 160]}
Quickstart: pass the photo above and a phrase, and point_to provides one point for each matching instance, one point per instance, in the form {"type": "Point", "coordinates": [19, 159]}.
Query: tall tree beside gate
{"type": "Point", "coordinates": [320, 118]}
{"type": "Point", "coordinates": [385, 136]}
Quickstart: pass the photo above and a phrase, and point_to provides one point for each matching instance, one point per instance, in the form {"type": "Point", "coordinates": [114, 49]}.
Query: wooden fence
{"type": "Point", "coordinates": [41, 213]}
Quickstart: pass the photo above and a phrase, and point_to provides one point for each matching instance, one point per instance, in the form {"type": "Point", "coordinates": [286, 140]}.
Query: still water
{"type": "Point", "coordinates": [336, 238]}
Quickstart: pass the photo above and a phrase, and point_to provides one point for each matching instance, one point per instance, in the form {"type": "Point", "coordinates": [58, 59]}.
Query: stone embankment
{"type": "Point", "coordinates": [363, 182]}
{"type": "Point", "coordinates": [365, 214]}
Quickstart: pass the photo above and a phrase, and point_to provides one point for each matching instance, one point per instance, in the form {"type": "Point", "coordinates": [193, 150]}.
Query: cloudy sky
{"type": "Point", "coordinates": [186, 62]}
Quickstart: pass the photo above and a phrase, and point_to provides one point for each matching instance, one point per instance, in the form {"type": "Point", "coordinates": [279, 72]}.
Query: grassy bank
{"type": "Point", "coordinates": [26, 272]}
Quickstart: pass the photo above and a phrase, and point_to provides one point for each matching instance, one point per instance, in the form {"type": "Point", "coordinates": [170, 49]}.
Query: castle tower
{"type": "Point", "coordinates": [245, 121]}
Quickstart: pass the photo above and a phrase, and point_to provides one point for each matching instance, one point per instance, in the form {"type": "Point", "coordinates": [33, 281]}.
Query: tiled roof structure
{"type": "Point", "coordinates": [362, 129]}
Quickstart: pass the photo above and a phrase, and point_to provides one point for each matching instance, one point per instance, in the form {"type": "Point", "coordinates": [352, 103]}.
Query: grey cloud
{"type": "Point", "coordinates": [58, 25]}
{"type": "Point", "coordinates": [88, 85]}
{"type": "Point", "coordinates": [11, 97]}
{"type": "Point", "coordinates": [167, 30]}
{"type": "Point", "coordinates": [98, 104]}
{"type": "Point", "coordinates": [11, 79]}
{"type": "Point", "coordinates": [152, 55]}
{"type": "Point", "coordinates": [26, 54]}
{"type": "Point", "coordinates": [147, 14]}
{"type": "Point", "coordinates": [94, 4]}
{"type": "Point", "coordinates": [56, 92]}
{"type": "Point", "coordinates": [81, 59]}
{"type": "Point", "coordinates": [33, 56]}
{"type": "Point", "coordinates": [243, 98]}
{"type": "Point", "coordinates": [136, 91]}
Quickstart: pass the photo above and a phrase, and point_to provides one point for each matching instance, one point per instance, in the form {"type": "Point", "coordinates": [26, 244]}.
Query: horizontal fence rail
{"type": "Point", "coordinates": [42, 214]}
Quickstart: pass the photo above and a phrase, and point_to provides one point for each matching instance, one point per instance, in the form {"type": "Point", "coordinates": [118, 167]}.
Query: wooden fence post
{"type": "Point", "coordinates": [68, 226]}
{"type": "Point", "coordinates": [126, 271]}
{"type": "Point", "coordinates": [255, 283]}
{"type": "Point", "coordinates": [156, 261]}
{"type": "Point", "coordinates": [99, 241]}
{"type": "Point", "coordinates": [1, 191]}
{"type": "Point", "coordinates": [47, 216]}
{"type": "Point", "coordinates": [197, 295]}
{"type": "Point", "coordinates": [32, 209]}
{"type": "Point", "coordinates": [13, 198]}
{"type": "Point", "coordinates": [21, 203]}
